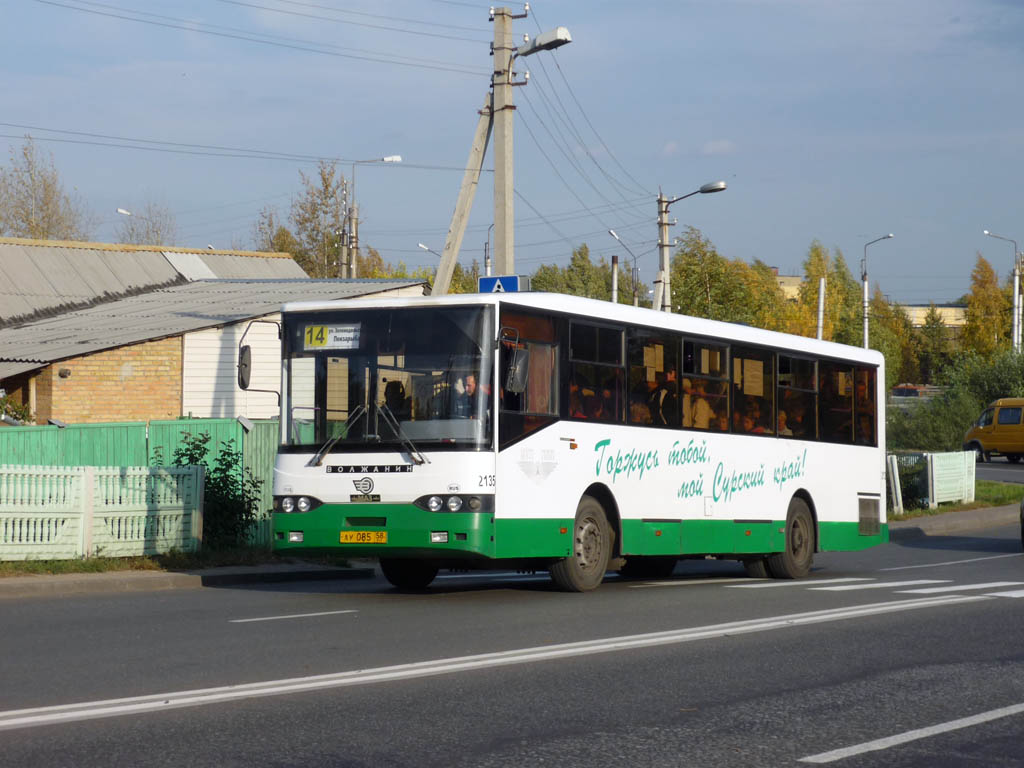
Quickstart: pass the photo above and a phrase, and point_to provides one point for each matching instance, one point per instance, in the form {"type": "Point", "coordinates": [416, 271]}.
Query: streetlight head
{"type": "Point", "coordinates": [612, 233]}
{"type": "Point", "coordinates": [714, 186]}
{"type": "Point", "coordinates": [984, 231]}
{"type": "Point", "coordinates": [890, 235]}
{"type": "Point", "coordinates": [125, 212]}
{"type": "Point", "coordinates": [421, 245]}
{"type": "Point", "coordinates": [391, 159]}
{"type": "Point", "coordinates": [546, 41]}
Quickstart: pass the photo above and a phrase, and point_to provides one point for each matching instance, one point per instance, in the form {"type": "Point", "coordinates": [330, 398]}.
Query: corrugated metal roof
{"type": "Point", "coordinates": [43, 278]}
{"type": "Point", "coordinates": [167, 312]}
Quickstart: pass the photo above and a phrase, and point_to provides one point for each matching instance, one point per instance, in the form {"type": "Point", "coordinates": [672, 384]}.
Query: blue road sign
{"type": "Point", "coordinates": [499, 284]}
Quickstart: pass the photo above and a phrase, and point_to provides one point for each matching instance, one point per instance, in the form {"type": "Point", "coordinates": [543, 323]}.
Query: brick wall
{"type": "Point", "coordinates": [133, 383]}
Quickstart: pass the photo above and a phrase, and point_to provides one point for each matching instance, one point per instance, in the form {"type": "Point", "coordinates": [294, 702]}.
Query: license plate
{"type": "Point", "coordinates": [364, 537]}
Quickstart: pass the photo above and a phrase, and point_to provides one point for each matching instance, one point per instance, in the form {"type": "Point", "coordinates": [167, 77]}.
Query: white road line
{"type": "Point", "coordinates": [688, 583]}
{"type": "Point", "coordinates": [28, 718]}
{"type": "Point", "coordinates": [795, 583]}
{"type": "Point", "coordinates": [1013, 593]}
{"type": "Point", "coordinates": [920, 733]}
{"type": "Point", "coordinates": [291, 616]}
{"type": "Point", "coordinates": [880, 585]}
{"type": "Point", "coordinates": [951, 562]}
{"type": "Point", "coordinates": [959, 588]}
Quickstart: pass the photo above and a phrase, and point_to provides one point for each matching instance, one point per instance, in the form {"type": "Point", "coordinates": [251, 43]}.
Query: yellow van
{"type": "Point", "coordinates": [998, 431]}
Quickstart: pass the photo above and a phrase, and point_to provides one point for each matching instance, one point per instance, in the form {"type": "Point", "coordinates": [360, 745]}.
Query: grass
{"type": "Point", "coordinates": [173, 561]}
{"type": "Point", "coordinates": [986, 494]}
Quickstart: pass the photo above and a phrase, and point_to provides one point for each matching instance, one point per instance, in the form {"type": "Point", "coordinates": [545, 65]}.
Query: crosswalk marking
{"type": "Point", "coordinates": [880, 585]}
{"type": "Point", "coordinates": [791, 583]}
{"type": "Point", "coordinates": [959, 588]}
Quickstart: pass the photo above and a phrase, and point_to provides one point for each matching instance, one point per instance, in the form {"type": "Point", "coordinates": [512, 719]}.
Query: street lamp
{"type": "Point", "coordinates": [636, 269]}
{"type": "Point", "coordinates": [353, 208]}
{"type": "Point", "coordinates": [864, 277]}
{"type": "Point", "coordinates": [1016, 289]}
{"type": "Point", "coordinates": [663, 244]}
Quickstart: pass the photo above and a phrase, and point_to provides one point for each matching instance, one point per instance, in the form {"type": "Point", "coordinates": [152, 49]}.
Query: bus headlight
{"type": "Point", "coordinates": [434, 503]}
{"type": "Point", "coordinates": [454, 503]}
{"type": "Point", "coordinates": [303, 504]}
{"type": "Point", "coordinates": [287, 504]}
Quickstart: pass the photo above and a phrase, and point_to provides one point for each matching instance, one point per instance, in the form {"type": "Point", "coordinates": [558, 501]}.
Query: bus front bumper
{"type": "Point", "coordinates": [384, 530]}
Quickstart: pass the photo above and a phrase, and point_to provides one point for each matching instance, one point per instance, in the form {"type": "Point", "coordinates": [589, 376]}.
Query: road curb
{"type": "Point", "coordinates": [64, 585]}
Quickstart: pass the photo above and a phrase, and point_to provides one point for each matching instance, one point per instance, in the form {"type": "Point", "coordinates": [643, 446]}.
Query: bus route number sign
{"type": "Point", "coordinates": [332, 336]}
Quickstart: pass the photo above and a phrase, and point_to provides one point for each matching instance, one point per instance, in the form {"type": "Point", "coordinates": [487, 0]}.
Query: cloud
{"type": "Point", "coordinates": [719, 147]}
{"type": "Point", "coordinates": [671, 149]}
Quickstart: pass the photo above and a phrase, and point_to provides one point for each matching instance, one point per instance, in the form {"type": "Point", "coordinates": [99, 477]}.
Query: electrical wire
{"type": "Point", "coordinates": [335, 9]}
{"type": "Point", "coordinates": [347, 21]}
{"type": "Point", "coordinates": [234, 33]}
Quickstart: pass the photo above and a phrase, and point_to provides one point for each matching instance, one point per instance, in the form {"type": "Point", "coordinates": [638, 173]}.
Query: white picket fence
{"type": "Point", "coordinates": [947, 477]}
{"type": "Point", "coordinates": [61, 513]}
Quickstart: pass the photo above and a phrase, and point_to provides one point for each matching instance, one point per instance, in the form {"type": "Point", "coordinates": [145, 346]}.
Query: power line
{"type": "Point", "coordinates": [579, 106]}
{"type": "Point", "coordinates": [257, 37]}
{"type": "Point", "coordinates": [206, 150]}
{"type": "Point", "coordinates": [334, 9]}
{"type": "Point", "coordinates": [346, 21]}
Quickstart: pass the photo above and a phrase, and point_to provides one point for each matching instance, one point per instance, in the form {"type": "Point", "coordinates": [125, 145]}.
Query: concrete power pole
{"type": "Point", "coordinates": [504, 218]}
{"type": "Point", "coordinates": [663, 249]}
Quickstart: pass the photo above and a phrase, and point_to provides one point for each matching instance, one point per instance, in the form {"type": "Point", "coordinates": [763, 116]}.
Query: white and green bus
{"type": "Point", "coordinates": [539, 431]}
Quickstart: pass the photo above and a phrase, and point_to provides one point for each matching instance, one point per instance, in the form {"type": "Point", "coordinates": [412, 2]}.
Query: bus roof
{"type": "Point", "coordinates": [605, 310]}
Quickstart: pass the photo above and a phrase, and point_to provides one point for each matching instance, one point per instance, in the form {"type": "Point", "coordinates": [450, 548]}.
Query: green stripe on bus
{"type": "Point", "coordinates": [408, 531]}
{"type": "Point", "coordinates": [847, 536]}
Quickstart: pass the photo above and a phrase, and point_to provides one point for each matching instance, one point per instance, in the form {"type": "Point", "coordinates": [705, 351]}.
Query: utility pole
{"type": "Point", "coordinates": [664, 262]}
{"type": "Point", "coordinates": [497, 115]}
{"type": "Point", "coordinates": [353, 238]}
{"type": "Point", "coordinates": [470, 178]}
{"type": "Point", "coordinates": [504, 110]}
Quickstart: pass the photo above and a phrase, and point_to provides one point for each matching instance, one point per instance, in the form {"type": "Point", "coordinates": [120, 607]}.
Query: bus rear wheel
{"type": "Point", "coordinates": [756, 568]}
{"type": "Point", "coordinates": [584, 569]}
{"type": "Point", "coordinates": [794, 562]}
{"type": "Point", "coordinates": [408, 574]}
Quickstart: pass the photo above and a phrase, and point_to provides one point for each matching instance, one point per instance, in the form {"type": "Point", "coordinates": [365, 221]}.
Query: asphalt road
{"type": "Point", "coordinates": [1000, 471]}
{"type": "Point", "coordinates": [706, 668]}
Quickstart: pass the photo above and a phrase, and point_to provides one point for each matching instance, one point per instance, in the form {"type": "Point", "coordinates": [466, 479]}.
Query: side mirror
{"type": "Point", "coordinates": [244, 366]}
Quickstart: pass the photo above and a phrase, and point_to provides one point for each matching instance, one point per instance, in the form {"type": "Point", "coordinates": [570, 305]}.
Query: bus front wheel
{"type": "Point", "coordinates": [584, 569]}
{"type": "Point", "coordinates": [794, 562]}
{"type": "Point", "coordinates": [408, 574]}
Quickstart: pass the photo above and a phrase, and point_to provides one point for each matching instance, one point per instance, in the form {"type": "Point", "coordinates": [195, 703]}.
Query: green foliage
{"type": "Point", "coordinates": [706, 284]}
{"type": "Point", "coordinates": [986, 330]}
{"type": "Point", "coordinates": [15, 410]}
{"type": "Point", "coordinates": [582, 277]}
{"type": "Point", "coordinates": [971, 382]}
{"type": "Point", "coordinates": [231, 496]}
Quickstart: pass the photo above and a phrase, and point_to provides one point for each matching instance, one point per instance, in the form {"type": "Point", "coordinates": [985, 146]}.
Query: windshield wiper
{"type": "Point", "coordinates": [393, 422]}
{"type": "Point", "coordinates": [318, 457]}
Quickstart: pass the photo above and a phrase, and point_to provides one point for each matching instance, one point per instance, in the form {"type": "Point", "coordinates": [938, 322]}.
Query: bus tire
{"type": "Point", "coordinates": [584, 569]}
{"type": "Point", "coordinates": [756, 568]}
{"type": "Point", "coordinates": [794, 562]}
{"type": "Point", "coordinates": [649, 567]}
{"type": "Point", "coordinates": [408, 574]}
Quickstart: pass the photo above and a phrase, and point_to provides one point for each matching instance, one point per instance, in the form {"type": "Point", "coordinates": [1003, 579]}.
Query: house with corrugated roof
{"type": "Point", "coordinates": [103, 333]}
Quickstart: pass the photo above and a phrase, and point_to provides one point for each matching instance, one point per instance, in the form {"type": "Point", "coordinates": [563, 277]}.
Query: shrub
{"type": "Point", "coordinates": [231, 499]}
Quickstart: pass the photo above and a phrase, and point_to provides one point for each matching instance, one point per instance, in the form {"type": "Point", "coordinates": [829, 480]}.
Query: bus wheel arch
{"type": "Point", "coordinates": [802, 493]}
{"type": "Point", "coordinates": [797, 555]}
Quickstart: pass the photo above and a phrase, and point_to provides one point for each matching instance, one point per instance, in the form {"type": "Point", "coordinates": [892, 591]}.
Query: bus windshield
{"type": "Point", "coordinates": [367, 378]}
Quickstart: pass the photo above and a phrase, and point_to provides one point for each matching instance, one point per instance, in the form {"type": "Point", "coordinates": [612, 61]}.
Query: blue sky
{"type": "Point", "coordinates": [835, 120]}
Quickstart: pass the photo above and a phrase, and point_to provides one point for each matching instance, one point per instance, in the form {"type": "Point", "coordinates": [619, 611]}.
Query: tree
{"type": "Point", "coordinates": [987, 324]}
{"type": "Point", "coordinates": [893, 335]}
{"type": "Point", "coordinates": [33, 202]}
{"type": "Point", "coordinates": [581, 277]}
{"type": "Point", "coordinates": [934, 346]}
{"type": "Point", "coordinates": [317, 217]}
{"type": "Point", "coordinates": [154, 225]}
{"type": "Point", "coordinates": [843, 314]}
{"type": "Point", "coordinates": [270, 234]}
{"type": "Point", "coordinates": [706, 284]}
